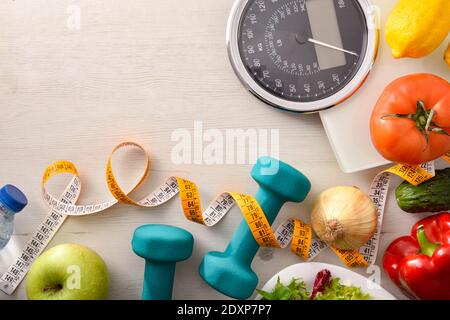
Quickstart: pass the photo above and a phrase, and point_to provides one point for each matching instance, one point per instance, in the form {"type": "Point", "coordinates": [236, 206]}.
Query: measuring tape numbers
{"type": "Point", "coordinates": [44, 233]}
{"type": "Point", "coordinates": [292, 231]}
{"type": "Point", "coordinates": [65, 206]}
{"type": "Point", "coordinates": [378, 191]}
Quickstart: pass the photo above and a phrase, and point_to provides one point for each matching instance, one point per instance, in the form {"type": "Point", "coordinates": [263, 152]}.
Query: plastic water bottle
{"type": "Point", "coordinates": [12, 201]}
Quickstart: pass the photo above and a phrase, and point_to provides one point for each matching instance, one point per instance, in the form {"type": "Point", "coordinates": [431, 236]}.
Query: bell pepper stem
{"type": "Point", "coordinates": [426, 246]}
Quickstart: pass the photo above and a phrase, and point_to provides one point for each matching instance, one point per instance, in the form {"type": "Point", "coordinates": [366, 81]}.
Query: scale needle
{"type": "Point", "coordinates": [320, 43]}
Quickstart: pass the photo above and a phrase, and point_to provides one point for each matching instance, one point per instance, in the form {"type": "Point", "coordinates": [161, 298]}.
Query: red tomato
{"type": "Point", "coordinates": [410, 123]}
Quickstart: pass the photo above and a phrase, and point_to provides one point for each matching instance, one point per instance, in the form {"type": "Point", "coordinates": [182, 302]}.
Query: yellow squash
{"type": "Point", "coordinates": [417, 27]}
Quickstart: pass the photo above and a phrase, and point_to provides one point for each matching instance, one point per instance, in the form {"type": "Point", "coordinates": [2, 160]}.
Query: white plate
{"type": "Point", "coordinates": [347, 125]}
{"type": "Point", "coordinates": [307, 271]}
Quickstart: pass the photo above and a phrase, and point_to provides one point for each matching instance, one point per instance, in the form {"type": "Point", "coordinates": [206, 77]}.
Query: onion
{"type": "Point", "coordinates": [344, 217]}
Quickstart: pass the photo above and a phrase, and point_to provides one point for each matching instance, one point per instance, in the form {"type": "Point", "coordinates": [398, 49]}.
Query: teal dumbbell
{"type": "Point", "coordinates": [161, 246]}
{"type": "Point", "coordinates": [230, 272]}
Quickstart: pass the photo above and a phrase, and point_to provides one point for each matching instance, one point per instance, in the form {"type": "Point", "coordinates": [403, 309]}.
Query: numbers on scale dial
{"type": "Point", "coordinates": [275, 49]}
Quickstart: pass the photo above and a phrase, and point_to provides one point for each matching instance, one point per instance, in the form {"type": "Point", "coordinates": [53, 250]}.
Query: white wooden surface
{"type": "Point", "coordinates": [137, 70]}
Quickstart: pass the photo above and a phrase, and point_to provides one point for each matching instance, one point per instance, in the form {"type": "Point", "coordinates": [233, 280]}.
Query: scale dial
{"type": "Point", "coordinates": [302, 55]}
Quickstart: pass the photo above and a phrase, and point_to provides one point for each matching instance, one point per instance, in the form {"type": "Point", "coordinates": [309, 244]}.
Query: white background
{"type": "Point", "coordinates": [137, 70]}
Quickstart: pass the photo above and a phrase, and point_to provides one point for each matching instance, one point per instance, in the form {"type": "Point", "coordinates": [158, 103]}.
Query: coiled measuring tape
{"type": "Point", "coordinates": [292, 231]}
{"type": "Point", "coordinates": [378, 192]}
{"type": "Point", "coordinates": [309, 247]}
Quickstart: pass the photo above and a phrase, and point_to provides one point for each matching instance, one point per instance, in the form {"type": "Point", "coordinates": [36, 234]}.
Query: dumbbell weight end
{"type": "Point", "coordinates": [162, 247]}
{"type": "Point", "coordinates": [234, 262]}
{"type": "Point", "coordinates": [230, 272]}
{"type": "Point", "coordinates": [161, 289]}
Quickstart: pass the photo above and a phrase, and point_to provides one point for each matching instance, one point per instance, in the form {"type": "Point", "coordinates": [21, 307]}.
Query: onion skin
{"type": "Point", "coordinates": [344, 217]}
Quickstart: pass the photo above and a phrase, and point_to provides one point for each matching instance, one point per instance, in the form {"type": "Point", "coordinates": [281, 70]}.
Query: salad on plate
{"type": "Point", "coordinates": [325, 288]}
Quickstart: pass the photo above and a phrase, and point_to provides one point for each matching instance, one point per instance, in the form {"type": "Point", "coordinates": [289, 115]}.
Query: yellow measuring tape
{"type": "Point", "coordinates": [292, 231]}
{"type": "Point", "coordinates": [299, 233]}
{"type": "Point", "coordinates": [366, 255]}
{"type": "Point", "coordinates": [190, 202]}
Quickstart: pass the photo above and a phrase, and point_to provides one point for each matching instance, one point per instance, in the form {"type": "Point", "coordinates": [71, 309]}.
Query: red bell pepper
{"type": "Point", "coordinates": [419, 264]}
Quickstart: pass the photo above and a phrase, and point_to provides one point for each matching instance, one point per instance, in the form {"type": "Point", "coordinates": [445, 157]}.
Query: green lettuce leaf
{"type": "Point", "coordinates": [296, 290]}
{"type": "Point", "coordinates": [338, 291]}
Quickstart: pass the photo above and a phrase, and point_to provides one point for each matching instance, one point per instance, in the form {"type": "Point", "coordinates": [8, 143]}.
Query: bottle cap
{"type": "Point", "coordinates": [13, 198]}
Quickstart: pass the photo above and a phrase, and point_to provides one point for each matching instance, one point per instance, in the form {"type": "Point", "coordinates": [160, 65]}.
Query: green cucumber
{"type": "Point", "coordinates": [430, 196]}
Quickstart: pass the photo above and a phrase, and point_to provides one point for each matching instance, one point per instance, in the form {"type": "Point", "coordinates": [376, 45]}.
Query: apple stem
{"type": "Point", "coordinates": [53, 288]}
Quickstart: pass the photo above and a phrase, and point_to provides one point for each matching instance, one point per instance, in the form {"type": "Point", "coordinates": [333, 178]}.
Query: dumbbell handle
{"type": "Point", "coordinates": [243, 245]}
{"type": "Point", "coordinates": [163, 273]}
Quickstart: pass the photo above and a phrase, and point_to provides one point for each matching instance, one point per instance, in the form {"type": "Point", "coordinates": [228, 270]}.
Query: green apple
{"type": "Point", "coordinates": [68, 272]}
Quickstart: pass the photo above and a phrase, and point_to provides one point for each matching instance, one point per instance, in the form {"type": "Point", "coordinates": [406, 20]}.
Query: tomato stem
{"type": "Point", "coordinates": [397, 115]}
{"type": "Point", "coordinates": [428, 123]}
{"type": "Point", "coordinates": [441, 131]}
{"type": "Point", "coordinates": [423, 119]}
